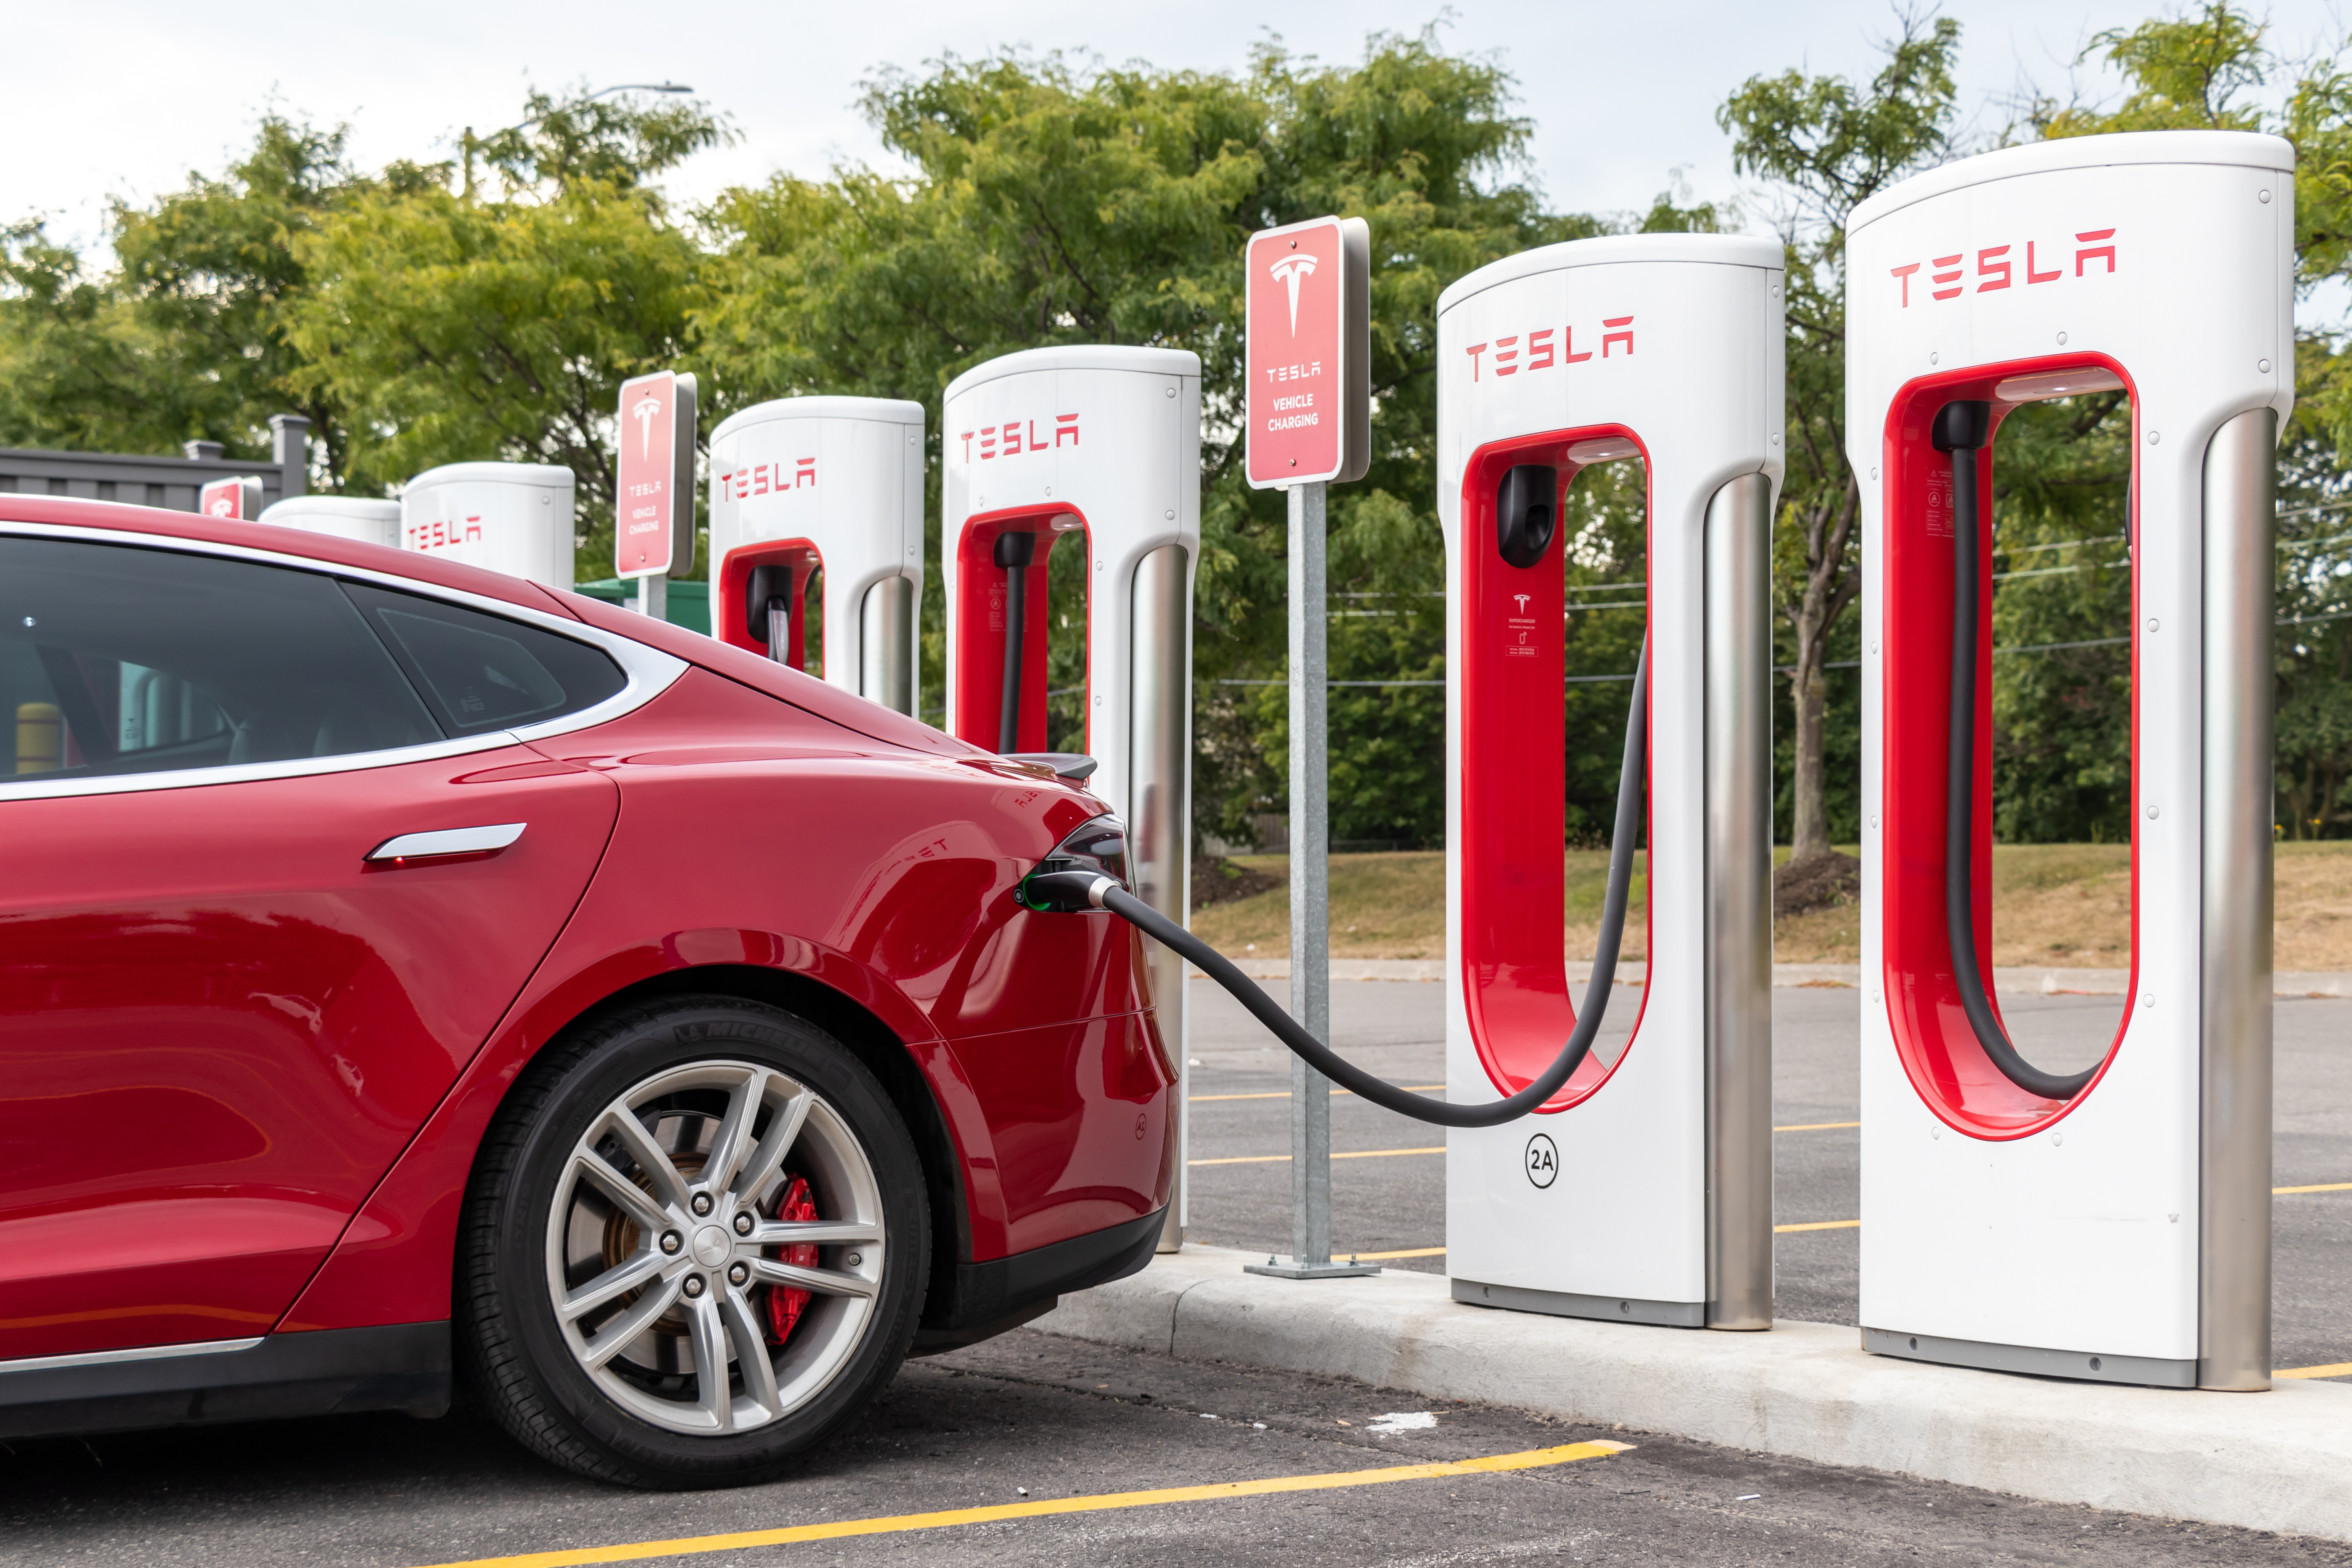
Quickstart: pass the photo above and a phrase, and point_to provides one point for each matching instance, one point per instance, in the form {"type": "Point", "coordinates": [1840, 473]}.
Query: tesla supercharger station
{"type": "Point", "coordinates": [1643, 1192]}
{"type": "Point", "coordinates": [509, 517]}
{"type": "Point", "coordinates": [345, 517]}
{"type": "Point", "coordinates": [1096, 449]}
{"type": "Point", "coordinates": [2113, 1225]}
{"type": "Point", "coordinates": [804, 486]}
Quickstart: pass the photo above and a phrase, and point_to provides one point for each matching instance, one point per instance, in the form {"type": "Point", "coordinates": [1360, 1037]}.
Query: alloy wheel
{"type": "Point", "coordinates": [685, 1274]}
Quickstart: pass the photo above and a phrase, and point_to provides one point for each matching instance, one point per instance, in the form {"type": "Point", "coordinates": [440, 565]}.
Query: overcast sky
{"type": "Point", "coordinates": [122, 97]}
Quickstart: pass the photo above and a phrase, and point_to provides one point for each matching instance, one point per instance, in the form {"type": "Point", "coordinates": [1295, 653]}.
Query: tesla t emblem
{"type": "Point", "coordinates": [1290, 271]}
{"type": "Point", "coordinates": [1543, 1160]}
{"type": "Point", "coordinates": [645, 409]}
{"type": "Point", "coordinates": [1522, 598]}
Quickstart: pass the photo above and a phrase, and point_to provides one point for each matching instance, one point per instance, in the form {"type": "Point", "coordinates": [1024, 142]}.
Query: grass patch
{"type": "Point", "coordinates": [2059, 905]}
{"type": "Point", "coordinates": [1393, 906]}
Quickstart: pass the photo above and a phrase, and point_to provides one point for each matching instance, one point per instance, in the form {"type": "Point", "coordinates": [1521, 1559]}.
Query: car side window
{"type": "Point", "coordinates": [479, 672]}
{"type": "Point", "coordinates": [119, 658]}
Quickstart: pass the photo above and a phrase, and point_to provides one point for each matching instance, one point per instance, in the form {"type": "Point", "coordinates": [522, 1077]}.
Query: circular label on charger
{"type": "Point", "coordinates": [1543, 1160]}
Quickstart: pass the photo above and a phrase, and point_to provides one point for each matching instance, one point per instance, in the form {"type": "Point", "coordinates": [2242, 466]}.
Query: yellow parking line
{"type": "Point", "coordinates": [1816, 1126]}
{"type": "Point", "coordinates": [1336, 1154]}
{"type": "Point", "coordinates": [1285, 1094]}
{"type": "Point", "coordinates": [2340, 1368]}
{"type": "Point", "coordinates": [2323, 1187]}
{"type": "Point", "coordinates": [1818, 1225]}
{"type": "Point", "coordinates": [1408, 1252]}
{"type": "Point", "coordinates": [1530, 1460]}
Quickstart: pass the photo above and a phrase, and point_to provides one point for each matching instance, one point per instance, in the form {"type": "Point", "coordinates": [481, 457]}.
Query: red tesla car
{"type": "Point", "coordinates": [409, 972]}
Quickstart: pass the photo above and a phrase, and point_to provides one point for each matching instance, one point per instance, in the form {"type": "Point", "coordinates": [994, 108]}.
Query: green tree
{"type": "Point", "coordinates": [2064, 717]}
{"type": "Point", "coordinates": [2061, 613]}
{"type": "Point", "coordinates": [455, 326]}
{"type": "Point", "coordinates": [186, 337]}
{"type": "Point", "coordinates": [1825, 144]}
{"type": "Point", "coordinates": [1052, 203]}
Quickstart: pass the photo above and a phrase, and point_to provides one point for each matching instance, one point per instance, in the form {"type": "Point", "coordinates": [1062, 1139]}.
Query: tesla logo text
{"type": "Point", "coordinates": [1998, 267]}
{"type": "Point", "coordinates": [644, 411]}
{"type": "Point", "coordinates": [1292, 270]}
{"type": "Point", "coordinates": [442, 535]}
{"type": "Point", "coordinates": [1004, 440]}
{"type": "Point", "coordinates": [770, 478]}
{"type": "Point", "coordinates": [642, 514]}
{"type": "Point", "coordinates": [1535, 350]}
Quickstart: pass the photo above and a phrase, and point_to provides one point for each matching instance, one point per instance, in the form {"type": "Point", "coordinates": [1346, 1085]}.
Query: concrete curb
{"type": "Point", "coordinates": [2016, 982]}
{"type": "Point", "coordinates": [2278, 1461]}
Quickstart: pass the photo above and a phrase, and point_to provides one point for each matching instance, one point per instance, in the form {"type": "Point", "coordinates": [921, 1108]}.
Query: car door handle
{"type": "Point", "coordinates": [446, 841]}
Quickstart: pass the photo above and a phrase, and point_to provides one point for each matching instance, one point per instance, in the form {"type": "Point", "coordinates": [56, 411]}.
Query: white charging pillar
{"type": "Point", "coordinates": [515, 518]}
{"type": "Point", "coordinates": [345, 517]}
{"type": "Point", "coordinates": [829, 486]}
{"type": "Point", "coordinates": [1099, 448]}
{"type": "Point", "coordinates": [2122, 1234]}
{"type": "Point", "coordinates": [1643, 1192]}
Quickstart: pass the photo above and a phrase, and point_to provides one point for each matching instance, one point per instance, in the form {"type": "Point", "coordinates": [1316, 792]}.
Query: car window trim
{"type": "Point", "coordinates": [647, 672]}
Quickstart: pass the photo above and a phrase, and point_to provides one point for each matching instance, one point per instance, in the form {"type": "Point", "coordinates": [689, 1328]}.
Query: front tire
{"type": "Point", "coordinates": [694, 1247]}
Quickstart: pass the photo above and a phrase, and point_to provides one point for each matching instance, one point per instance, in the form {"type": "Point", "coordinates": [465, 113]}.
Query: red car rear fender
{"type": "Point", "coordinates": [764, 852]}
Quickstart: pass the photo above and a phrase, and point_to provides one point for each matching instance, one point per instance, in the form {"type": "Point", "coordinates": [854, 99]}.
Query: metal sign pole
{"type": "Point", "coordinates": [1310, 882]}
{"type": "Point", "coordinates": [1310, 901]}
{"type": "Point", "coordinates": [1307, 415]}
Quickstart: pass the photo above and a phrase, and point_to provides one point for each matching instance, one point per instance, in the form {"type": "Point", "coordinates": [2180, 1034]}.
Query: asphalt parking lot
{"type": "Point", "coordinates": [1029, 1422]}
{"type": "Point", "coordinates": [1393, 1206]}
{"type": "Point", "coordinates": [1054, 1437]}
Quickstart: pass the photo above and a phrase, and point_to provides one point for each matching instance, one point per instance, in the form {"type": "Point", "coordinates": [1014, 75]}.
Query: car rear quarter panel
{"type": "Point", "coordinates": [751, 833]}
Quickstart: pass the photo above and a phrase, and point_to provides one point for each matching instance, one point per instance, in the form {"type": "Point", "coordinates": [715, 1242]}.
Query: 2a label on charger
{"type": "Point", "coordinates": [1542, 1160]}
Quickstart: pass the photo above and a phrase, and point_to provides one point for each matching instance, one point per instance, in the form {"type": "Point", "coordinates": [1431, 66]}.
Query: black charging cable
{"type": "Point", "coordinates": [1961, 429]}
{"type": "Point", "coordinates": [1069, 890]}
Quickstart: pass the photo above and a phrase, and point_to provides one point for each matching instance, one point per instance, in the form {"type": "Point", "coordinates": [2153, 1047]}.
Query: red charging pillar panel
{"type": "Point", "coordinates": [980, 628]}
{"type": "Point", "coordinates": [1932, 1035]}
{"type": "Point", "coordinates": [1515, 782]}
{"type": "Point", "coordinates": [729, 619]}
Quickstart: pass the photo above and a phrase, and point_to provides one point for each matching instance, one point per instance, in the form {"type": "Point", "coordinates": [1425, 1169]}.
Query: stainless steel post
{"type": "Point", "coordinates": [1739, 899]}
{"type": "Point", "coordinates": [2233, 1317]}
{"type": "Point", "coordinates": [653, 596]}
{"type": "Point", "coordinates": [1159, 805]}
{"type": "Point", "coordinates": [1310, 899]}
{"type": "Point", "coordinates": [1310, 878]}
{"type": "Point", "coordinates": [885, 656]}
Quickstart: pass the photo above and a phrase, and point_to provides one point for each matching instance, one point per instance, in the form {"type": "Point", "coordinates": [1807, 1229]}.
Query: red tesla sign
{"type": "Point", "coordinates": [647, 487]}
{"type": "Point", "coordinates": [237, 498]}
{"type": "Point", "coordinates": [1306, 416]}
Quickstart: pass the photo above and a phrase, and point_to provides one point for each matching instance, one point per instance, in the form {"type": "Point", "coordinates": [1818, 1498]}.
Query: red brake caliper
{"type": "Point", "coordinates": [784, 1304]}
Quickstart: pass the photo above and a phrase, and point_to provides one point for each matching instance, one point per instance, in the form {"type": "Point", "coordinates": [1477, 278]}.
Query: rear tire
{"type": "Point", "coordinates": [694, 1247]}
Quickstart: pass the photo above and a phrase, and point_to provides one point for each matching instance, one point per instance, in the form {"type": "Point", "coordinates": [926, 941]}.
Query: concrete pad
{"type": "Point", "coordinates": [2278, 1461]}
